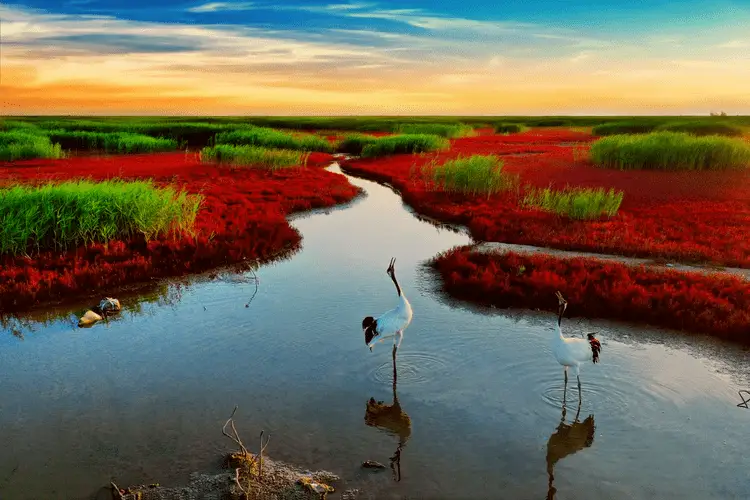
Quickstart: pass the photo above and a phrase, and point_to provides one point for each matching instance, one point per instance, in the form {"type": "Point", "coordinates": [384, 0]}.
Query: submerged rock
{"type": "Point", "coordinates": [309, 483]}
{"type": "Point", "coordinates": [372, 464]}
{"type": "Point", "coordinates": [109, 305]}
{"type": "Point", "coordinates": [89, 318]}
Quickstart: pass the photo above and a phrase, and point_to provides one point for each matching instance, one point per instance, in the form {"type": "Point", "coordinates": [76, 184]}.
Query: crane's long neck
{"type": "Point", "coordinates": [395, 282]}
{"type": "Point", "coordinates": [559, 322]}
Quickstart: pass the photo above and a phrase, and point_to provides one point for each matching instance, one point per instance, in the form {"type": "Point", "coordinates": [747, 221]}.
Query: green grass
{"type": "Point", "coordinates": [67, 215]}
{"type": "Point", "coordinates": [708, 126]}
{"type": "Point", "coordinates": [641, 126]}
{"type": "Point", "coordinates": [476, 174]}
{"type": "Point", "coordinates": [269, 138]}
{"type": "Point", "coordinates": [509, 128]}
{"type": "Point", "coordinates": [441, 129]}
{"type": "Point", "coordinates": [254, 156]}
{"type": "Point", "coordinates": [404, 144]}
{"type": "Point", "coordinates": [576, 203]}
{"type": "Point", "coordinates": [353, 144]}
{"type": "Point", "coordinates": [112, 142]}
{"type": "Point", "coordinates": [670, 151]}
{"type": "Point", "coordinates": [23, 144]}
{"type": "Point", "coordinates": [702, 128]}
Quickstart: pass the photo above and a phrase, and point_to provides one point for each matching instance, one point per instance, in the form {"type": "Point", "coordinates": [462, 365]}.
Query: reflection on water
{"type": "Point", "coordinates": [391, 419]}
{"type": "Point", "coordinates": [567, 440]}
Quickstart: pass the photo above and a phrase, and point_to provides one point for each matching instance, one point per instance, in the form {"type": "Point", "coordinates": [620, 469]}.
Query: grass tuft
{"type": "Point", "coordinates": [404, 144]}
{"type": "Point", "coordinates": [269, 138]}
{"type": "Point", "coordinates": [641, 126]}
{"type": "Point", "coordinates": [66, 215]}
{"type": "Point", "coordinates": [26, 144]}
{"type": "Point", "coordinates": [448, 130]}
{"type": "Point", "coordinates": [576, 203]}
{"type": "Point", "coordinates": [253, 156]}
{"type": "Point", "coordinates": [509, 128]}
{"type": "Point", "coordinates": [703, 128]}
{"type": "Point", "coordinates": [112, 142]}
{"type": "Point", "coordinates": [670, 151]}
{"type": "Point", "coordinates": [476, 174]}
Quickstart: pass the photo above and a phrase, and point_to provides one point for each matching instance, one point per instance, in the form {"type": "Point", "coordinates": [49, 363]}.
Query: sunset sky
{"type": "Point", "coordinates": [503, 57]}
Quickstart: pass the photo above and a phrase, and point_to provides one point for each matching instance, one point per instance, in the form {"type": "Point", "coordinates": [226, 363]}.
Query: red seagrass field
{"type": "Point", "coordinates": [251, 177]}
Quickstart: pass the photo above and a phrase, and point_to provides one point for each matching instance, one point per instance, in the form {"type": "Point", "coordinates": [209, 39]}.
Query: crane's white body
{"type": "Point", "coordinates": [392, 323]}
{"type": "Point", "coordinates": [570, 351]}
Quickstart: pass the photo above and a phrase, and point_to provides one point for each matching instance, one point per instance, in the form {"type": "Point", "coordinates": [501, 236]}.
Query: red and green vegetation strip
{"type": "Point", "coordinates": [717, 305]}
{"type": "Point", "coordinates": [687, 216]}
{"type": "Point", "coordinates": [242, 218]}
{"type": "Point", "coordinates": [60, 216]}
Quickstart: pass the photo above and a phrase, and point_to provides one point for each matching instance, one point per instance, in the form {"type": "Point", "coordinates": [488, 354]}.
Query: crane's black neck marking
{"type": "Point", "coordinates": [393, 277]}
{"type": "Point", "coordinates": [560, 312]}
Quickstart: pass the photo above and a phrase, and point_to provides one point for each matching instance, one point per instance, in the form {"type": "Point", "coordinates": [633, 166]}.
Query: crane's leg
{"type": "Point", "coordinates": [565, 387]}
{"type": "Point", "coordinates": [578, 376]}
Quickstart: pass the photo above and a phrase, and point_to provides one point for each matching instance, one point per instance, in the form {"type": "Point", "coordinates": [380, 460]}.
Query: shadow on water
{"type": "Point", "coordinates": [391, 419]}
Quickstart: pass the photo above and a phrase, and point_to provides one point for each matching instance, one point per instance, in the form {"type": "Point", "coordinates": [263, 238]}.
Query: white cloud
{"type": "Point", "coordinates": [221, 6]}
{"type": "Point", "coordinates": [735, 44]}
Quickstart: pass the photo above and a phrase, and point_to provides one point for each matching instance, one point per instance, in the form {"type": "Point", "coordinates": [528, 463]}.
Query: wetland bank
{"type": "Point", "coordinates": [142, 398]}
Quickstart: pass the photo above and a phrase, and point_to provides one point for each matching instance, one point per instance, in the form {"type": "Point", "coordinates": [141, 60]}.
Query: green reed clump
{"type": "Point", "coordinates": [670, 151]}
{"type": "Point", "coordinates": [111, 142]}
{"type": "Point", "coordinates": [26, 144]}
{"type": "Point", "coordinates": [637, 126]}
{"type": "Point", "coordinates": [253, 156]}
{"type": "Point", "coordinates": [476, 174]}
{"type": "Point", "coordinates": [702, 128]}
{"type": "Point", "coordinates": [404, 144]}
{"type": "Point", "coordinates": [270, 138]}
{"type": "Point", "coordinates": [448, 130]}
{"type": "Point", "coordinates": [353, 144]}
{"type": "Point", "coordinates": [69, 214]}
{"type": "Point", "coordinates": [548, 122]}
{"type": "Point", "coordinates": [576, 203]}
{"type": "Point", "coordinates": [509, 128]}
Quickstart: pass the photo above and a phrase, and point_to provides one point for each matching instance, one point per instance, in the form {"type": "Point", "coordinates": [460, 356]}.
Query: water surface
{"type": "Point", "coordinates": [479, 395]}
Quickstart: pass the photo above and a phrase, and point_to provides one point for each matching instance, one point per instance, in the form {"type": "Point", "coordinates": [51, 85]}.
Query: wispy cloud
{"type": "Point", "coordinates": [735, 44]}
{"type": "Point", "coordinates": [221, 6]}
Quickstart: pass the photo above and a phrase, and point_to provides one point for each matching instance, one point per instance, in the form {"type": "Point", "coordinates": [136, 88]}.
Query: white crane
{"type": "Point", "coordinates": [570, 351]}
{"type": "Point", "coordinates": [391, 323]}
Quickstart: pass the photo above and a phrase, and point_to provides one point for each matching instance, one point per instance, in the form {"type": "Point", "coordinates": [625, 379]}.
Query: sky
{"type": "Point", "coordinates": [305, 57]}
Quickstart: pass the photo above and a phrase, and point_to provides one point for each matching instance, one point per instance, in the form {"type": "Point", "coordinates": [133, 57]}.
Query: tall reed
{"type": "Point", "coordinates": [269, 138]}
{"type": "Point", "coordinates": [26, 144]}
{"type": "Point", "coordinates": [576, 203]}
{"type": "Point", "coordinates": [69, 214]}
{"type": "Point", "coordinates": [476, 174]}
{"type": "Point", "coordinates": [252, 156]}
{"type": "Point", "coordinates": [670, 151]}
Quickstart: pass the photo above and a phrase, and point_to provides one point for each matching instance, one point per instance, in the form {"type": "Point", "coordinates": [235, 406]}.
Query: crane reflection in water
{"type": "Point", "coordinates": [392, 419]}
{"type": "Point", "coordinates": [567, 440]}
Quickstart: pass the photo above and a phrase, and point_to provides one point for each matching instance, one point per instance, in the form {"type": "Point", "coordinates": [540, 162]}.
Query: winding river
{"type": "Point", "coordinates": [479, 396]}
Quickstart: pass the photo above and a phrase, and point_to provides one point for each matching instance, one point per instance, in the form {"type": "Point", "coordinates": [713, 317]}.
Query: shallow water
{"type": "Point", "coordinates": [142, 399]}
